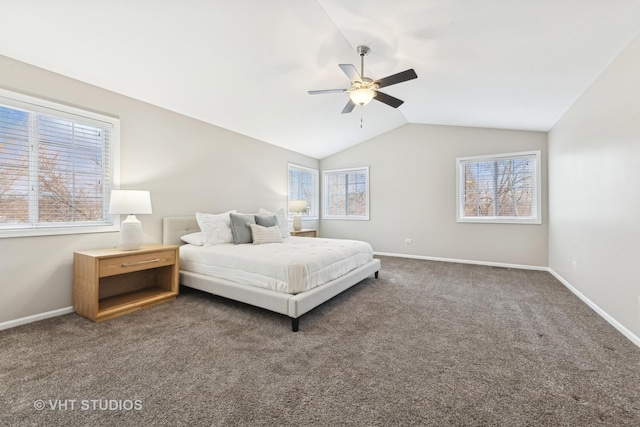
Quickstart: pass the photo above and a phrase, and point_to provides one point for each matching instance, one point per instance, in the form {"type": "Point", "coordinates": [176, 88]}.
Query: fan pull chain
{"type": "Point", "coordinates": [362, 54]}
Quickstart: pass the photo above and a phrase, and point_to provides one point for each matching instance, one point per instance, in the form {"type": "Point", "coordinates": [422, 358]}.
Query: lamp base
{"type": "Point", "coordinates": [297, 222]}
{"type": "Point", "coordinates": [130, 234]}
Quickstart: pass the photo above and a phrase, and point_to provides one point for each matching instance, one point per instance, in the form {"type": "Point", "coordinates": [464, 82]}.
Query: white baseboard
{"type": "Point", "coordinates": [624, 331]}
{"type": "Point", "coordinates": [35, 318]}
{"type": "Point", "coordinates": [466, 261]}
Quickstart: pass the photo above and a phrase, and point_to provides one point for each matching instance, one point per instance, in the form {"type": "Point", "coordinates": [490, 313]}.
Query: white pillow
{"type": "Point", "coordinates": [283, 224]}
{"type": "Point", "coordinates": [262, 235]}
{"type": "Point", "coordinates": [193, 238]}
{"type": "Point", "coordinates": [216, 228]}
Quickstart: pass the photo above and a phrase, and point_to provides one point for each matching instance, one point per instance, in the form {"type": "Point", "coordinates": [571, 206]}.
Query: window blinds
{"type": "Point", "coordinates": [346, 193]}
{"type": "Point", "coordinates": [55, 166]}
{"type": "Point", "coordinates": [303, 185]}
{"type": "Point", "coordinates": [499, 187]}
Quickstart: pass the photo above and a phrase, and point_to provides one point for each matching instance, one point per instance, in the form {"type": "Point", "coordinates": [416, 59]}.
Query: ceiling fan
{"type": "Point", "coordinates": [364, 89]}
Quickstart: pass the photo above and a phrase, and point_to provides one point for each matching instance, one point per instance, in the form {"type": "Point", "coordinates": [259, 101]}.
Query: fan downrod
{"type": "Point", "coordinates": [362, 51]}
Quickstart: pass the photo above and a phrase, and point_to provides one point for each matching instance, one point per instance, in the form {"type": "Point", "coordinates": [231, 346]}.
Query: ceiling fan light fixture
{"type": "Point", "coordinates": [363, 89]}
{"type": "Point", "coordinates": [362, 96]}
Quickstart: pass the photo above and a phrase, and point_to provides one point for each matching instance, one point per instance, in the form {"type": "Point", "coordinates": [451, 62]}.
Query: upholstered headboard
{"type": "Point", "coordinates": [175, 226]}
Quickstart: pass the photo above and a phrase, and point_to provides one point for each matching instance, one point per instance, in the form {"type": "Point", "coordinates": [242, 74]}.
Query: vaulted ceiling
{"type": "Point", "coordinates": [246, 65]}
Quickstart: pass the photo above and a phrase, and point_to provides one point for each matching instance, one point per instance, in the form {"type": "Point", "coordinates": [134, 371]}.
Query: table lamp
{"type": "Point", "coordinates": [130, 203]}
{"type": "Point", "coordinates": [297, 207]}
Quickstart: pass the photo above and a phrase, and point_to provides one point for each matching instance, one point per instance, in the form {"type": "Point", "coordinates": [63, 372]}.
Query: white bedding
{"type": "Point", "coordinates": [296, 265]}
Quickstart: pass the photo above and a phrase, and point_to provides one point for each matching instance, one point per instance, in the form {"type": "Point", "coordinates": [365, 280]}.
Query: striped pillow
{"type": "Point", "coordinates": [263, 235]}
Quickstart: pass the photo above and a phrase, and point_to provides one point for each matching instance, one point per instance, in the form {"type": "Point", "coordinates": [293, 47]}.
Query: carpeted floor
{"type": "Point", "coordinates": [428, 343]}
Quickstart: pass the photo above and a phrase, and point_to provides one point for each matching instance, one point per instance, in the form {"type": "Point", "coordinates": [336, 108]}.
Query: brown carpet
{"type": "Point", "coordinates": [428, 343]}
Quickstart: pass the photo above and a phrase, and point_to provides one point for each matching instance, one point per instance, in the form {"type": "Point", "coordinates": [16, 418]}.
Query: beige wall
{"type": "Point", "coordinates": [186, 164]}
{"type": "Point", "coordinates": [413, 195]}
{"type": "Point", "coordinates": [594, 193]}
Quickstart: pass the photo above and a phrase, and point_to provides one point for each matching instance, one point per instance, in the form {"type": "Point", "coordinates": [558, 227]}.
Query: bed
{"type": "Point", "coordinates": [284, 294]}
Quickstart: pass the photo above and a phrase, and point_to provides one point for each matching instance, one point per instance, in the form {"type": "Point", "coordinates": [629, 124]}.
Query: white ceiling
{"type": "Point", "coordinates": [246, 65]}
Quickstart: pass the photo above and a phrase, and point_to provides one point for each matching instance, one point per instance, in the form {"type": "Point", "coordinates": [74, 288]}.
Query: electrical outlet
{"type": "Point", "coordinates": [407, 241]}
{"type": "Point", "coordinates": [574, 264]}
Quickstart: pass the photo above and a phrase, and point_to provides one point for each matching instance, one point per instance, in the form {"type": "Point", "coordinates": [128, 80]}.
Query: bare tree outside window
{"type": "Point", "coordinates": [337, 189]}
{"type": "Point", "coordinates": [347, 193]}
{"type": "Point", "coordinates": [503, 187]}
{"type": "Point", "coordinates": [66, 196]}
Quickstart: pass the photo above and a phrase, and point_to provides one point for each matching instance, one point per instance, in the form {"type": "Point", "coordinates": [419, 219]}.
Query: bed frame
{"type": "Point", "coordinates": [290, 305]}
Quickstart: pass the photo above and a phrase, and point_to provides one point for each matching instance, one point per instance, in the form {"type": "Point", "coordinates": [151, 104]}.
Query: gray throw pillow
{"type": "Point", "coordinates": [266, 220]}
{"type": "Point", "coordinates": [239, 228]}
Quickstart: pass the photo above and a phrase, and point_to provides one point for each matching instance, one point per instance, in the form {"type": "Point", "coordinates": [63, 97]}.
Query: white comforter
{"type": "Point", "coordinates": [297, 265]}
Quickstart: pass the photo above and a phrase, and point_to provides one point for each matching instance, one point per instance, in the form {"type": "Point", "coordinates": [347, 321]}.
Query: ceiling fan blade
{"type": "Point", "coordinates": [349, 107]}
{"type": "Point", "coordinates": [397, 78]}
{"type": "Point", "coordinates": [351, 72]}
{"type": "Point", "coordinates": [319, 92]}
{"type": "Point", "coordinates": [388, 99]}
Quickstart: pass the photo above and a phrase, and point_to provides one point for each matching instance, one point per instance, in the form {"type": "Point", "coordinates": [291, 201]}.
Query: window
{"type": "Point", "coordinates": [346, 193]}
{"type": "Point", "coordinates": [56, 168]}
{"type": "Point", "coordinates": [499, 188]}
{"type": "Point", "coordinates": [303, 185]}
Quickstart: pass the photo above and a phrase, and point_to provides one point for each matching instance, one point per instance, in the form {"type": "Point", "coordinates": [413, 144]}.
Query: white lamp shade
{"type": "Point", "coordinates": [362, 96]}
{"type": "Point", "coordinates": [130, 202]}
{"type": "Point", "coordinates": [297, 206]}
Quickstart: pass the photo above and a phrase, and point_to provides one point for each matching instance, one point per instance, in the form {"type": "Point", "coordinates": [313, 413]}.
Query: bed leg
{"type": "Point", "coordinates": [295, 323]}
{"type": "Point", "coordinates": [377, 274]}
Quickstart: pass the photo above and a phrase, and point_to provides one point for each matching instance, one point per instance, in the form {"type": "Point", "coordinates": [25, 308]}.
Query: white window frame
{"type": "Point", "coordinates": [325, 191]}
{"type": "Point", "coordinates": [460, 186]}
{"type": "Point", "coordinates": [315, 204]}
{"type": "Point", "coordinates": [37, 105]}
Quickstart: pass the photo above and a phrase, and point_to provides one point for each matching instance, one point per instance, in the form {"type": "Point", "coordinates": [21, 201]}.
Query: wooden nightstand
{"type": "Point", "coordinates": [308, 232]}
{"type": "Point", "coordinates": [111, 282]}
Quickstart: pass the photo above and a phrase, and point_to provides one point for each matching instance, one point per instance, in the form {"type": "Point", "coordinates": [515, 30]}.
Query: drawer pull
{"type": "Point", "coordinates": [149, 261]}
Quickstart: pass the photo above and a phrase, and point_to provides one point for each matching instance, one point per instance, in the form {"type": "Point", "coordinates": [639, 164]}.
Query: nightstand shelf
{"type": "Point", "coordinates": [112, 282]}
{"type": "Point", "coordinates": [138, 299]}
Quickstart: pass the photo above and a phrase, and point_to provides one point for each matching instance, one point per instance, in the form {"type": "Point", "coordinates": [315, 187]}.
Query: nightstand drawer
{"type": "Point", "coordinates": [311, 232]}
{"type": "Point", "coordinates": [130, 263]}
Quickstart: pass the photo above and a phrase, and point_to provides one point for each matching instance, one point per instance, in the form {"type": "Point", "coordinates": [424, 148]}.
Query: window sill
{"type": "Point", "coordinates": [347, 218]}
{"type": "Point", "coordinates": [499, 221]}
{"type": "Point", "coordinates": [305, 218]}
{"type": "Point", "coordinates": [56, 231]}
